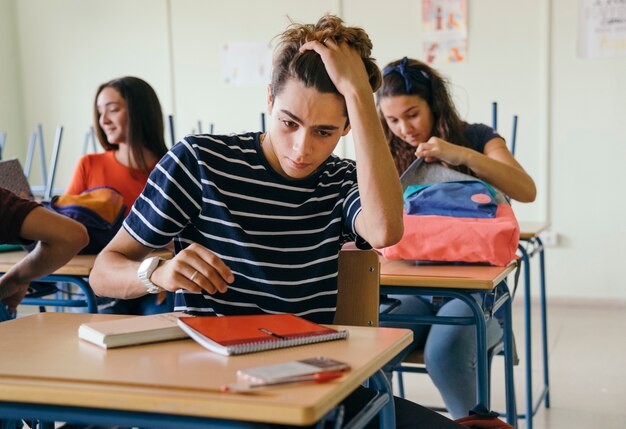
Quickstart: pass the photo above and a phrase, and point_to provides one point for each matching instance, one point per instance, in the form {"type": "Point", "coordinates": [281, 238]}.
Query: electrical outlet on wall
{"type": "Point", "coordinates": [549, 238]}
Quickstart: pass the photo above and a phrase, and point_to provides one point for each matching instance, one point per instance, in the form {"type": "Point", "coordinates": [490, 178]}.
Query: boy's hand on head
{"type": "Point", "coordinates": [344, 65]}
{"type": "Point", "coordinates": [195, 269]}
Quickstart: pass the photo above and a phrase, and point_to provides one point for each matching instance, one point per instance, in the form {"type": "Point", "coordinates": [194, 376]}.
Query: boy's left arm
{"type": "Point", "coordinates": [380, 221]}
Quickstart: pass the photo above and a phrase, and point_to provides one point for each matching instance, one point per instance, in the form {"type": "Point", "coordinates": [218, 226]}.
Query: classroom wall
{"type": "Point", "coordinates": [69, 47]}
{"type": "Point", "coordinates": [200, 29]}
{"type": "Point", "coordinates": [568, 107]}
{"type": "Point", "coordinates": [509, 69]}
{"type": "Point", "coordinates": [10, 83]}
{"type": "Point", "coordinates": [587, 174]}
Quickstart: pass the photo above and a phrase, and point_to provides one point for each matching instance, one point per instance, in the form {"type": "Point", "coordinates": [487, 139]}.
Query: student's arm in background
{"type": "Point", "coordinates": [496, 165]}
{"type": "Point", "coordinates": [59, 239]}
{"type": "Point", "coordinates": [115, 271]}
{"type": "Point", "coordinates": [380, 221]}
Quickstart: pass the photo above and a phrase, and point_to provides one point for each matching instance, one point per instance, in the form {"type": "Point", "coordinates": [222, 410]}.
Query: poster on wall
{"type": "Point", "coordinates": [246, 63]}
{"type": "Point", "coordinates": [444, 24]}
{"type": "Point", "coordinates": [602, 28]}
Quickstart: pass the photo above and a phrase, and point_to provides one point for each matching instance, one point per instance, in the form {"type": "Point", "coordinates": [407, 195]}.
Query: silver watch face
{"type": "Point", "coordinates": [146, 268]}
{"type": "Point", "coordinates": [146, 265]}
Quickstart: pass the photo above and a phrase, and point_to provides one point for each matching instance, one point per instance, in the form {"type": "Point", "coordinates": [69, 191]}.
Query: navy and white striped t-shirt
{"type": "Point", "coordinates": [281, 238]}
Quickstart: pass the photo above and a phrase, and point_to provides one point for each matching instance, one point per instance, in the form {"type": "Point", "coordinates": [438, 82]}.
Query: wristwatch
{"type": "Point", "coordinates": [145, 271]}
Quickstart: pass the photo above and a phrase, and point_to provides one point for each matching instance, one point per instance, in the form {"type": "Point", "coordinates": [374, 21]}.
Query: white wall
{"type": "Point", "coordinates": [569, 109]}
{"type": "Point", "coordinates": [10, 95]}
{"type": "Point", "coordinates": [69, 47]}
{"type": "Point", "coordinates": [588, 151]}
{"type": "Point", "coordinates": [200, 29]}
{"type": "Point", "coordinates": [508, 69]}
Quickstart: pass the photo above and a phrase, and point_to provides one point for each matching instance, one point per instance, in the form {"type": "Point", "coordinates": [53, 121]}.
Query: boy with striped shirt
{"type": "Point", "coordinates": [258, 219]}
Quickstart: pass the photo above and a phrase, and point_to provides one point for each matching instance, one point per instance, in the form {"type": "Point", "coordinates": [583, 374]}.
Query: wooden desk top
{"type": "Point", "coordinates": [532, 229]}
{"type": "Point", "coordinates": [43, 361]}
{"type": "Point", "coordinates": [406, 273]}
{"type": "Point", "coordinates": [80, 265]}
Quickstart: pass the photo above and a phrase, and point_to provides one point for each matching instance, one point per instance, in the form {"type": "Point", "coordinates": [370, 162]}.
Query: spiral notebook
{"type": "Point", "coordinates": [234, 335]}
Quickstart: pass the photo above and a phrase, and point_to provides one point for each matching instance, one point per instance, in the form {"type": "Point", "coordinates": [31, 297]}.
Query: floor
{"type": "Point", "coordinates": [587, 346]}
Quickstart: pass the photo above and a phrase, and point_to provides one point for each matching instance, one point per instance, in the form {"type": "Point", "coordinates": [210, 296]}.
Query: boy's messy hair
{"type": "Point", "coordinates": [307, 67]}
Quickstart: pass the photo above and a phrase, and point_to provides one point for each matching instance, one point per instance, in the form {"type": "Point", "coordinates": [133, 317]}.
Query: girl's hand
{"type": "Point", "coordinates": [195, 269]}
{"type": "Point", "coordinates": [436, 149]}
{"type": "Point", "coordinates": [344, 65]}
{"type": "Point", "coordinates": [12, 292]}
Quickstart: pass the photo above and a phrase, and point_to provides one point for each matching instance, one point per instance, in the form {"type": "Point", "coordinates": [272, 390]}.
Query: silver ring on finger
{"type": "Point", "coordinates": [193, 276]}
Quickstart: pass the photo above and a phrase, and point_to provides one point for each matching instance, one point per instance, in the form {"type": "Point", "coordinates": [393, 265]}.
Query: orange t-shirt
{"type": "Point", "coordinates": [102, 169]}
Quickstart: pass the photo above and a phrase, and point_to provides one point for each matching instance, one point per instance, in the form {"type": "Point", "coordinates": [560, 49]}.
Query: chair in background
{"type": "Point", "coordinates": [170, 122]}
{"type": "Point", "coordinates": [494, 125]}
{"type": "Point", "coordinates": [262, 122]}
{"type": "Point", "coordinates": [414, 363]}
{"type": "Point", "coordinates": [200, 129]}
{"type": "Point", "coordinates": [36, 140]}
{"type": "Point", "coordinates": [358, 288]}
{"type": "Point", "coordinates": [3, 139]}
{"type": "Point", "coordinates": [90, 140]}
{"type": "Point", "coordinates": [357, 305]}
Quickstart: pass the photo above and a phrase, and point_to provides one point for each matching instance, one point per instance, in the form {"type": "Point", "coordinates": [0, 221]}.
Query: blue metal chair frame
{"type": "Point", "coordinates": [90, 301]}
{"type": "Point", "coordinates": [4, 313]}
{"type": "Point", "coordinates": [536, 247]}
{"type": "Point", "coordinates": [501, 300]}
{"type": "Point", "coordinates": [381, 404]}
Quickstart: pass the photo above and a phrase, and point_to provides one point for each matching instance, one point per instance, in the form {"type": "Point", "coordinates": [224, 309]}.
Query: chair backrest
{"type": "Point", "coordinates": [358, 288]}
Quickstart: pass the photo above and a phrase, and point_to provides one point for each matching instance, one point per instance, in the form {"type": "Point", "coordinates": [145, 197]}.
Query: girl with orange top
{"type": "Point", "coordinates": [129, 124]}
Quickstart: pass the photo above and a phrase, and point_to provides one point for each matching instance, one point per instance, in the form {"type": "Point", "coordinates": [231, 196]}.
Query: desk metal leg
{"type": "Point", "coordinates": [511, 406]}
{"type": "Point", "coordinates": [477, 319]}
{"type": "Point", "coordinates": [4, 313]}
{"type": "Point", "coordinates": [537, 247]}
{"type": "Point", "coordinates": [528, 339]}
{"type": "Point", "coordinates": [544, 322]}
{"type": "Point", "coordinates": [379, 382]}
{"type": "Point", "coordinates": [482, 377]}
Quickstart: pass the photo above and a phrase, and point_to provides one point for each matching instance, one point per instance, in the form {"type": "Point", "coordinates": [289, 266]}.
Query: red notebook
{"type": "Point", "coordinates": [233, 335]}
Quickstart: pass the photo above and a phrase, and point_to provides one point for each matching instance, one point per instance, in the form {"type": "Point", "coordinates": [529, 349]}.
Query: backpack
{"type": "Point", "coordinates": [452, 217]}
{"type": "Point", "coordinates": [481, 418]}
{"type": "Point", "coordinates": [100, 209]}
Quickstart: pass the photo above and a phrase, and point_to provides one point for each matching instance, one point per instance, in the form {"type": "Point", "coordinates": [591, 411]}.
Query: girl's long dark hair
{"type": "Point", "coordinates": [144, 119]}
{"type": "Point", "coordinates": [413, 77]}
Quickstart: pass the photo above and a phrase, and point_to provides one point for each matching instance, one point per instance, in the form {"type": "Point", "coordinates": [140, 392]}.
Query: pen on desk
{"type": "Point", "coordinates": [273, 334]}
{"type": "Point", "coordinates": [319, 377]}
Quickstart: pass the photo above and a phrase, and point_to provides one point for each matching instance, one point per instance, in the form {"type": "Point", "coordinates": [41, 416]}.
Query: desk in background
{"type": "Point", "coordinates": [76, 271]}
{"type": "Point", "coordinates": [46, 372]}
{"type": "Point", "coordinates": [458, 281]}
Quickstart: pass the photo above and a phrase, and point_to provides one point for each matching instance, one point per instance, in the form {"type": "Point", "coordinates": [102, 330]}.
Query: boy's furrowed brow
{"type": "Point", "coordinates": [299, 121]}
{"type": "Point", "coordinates": [292, 116]}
